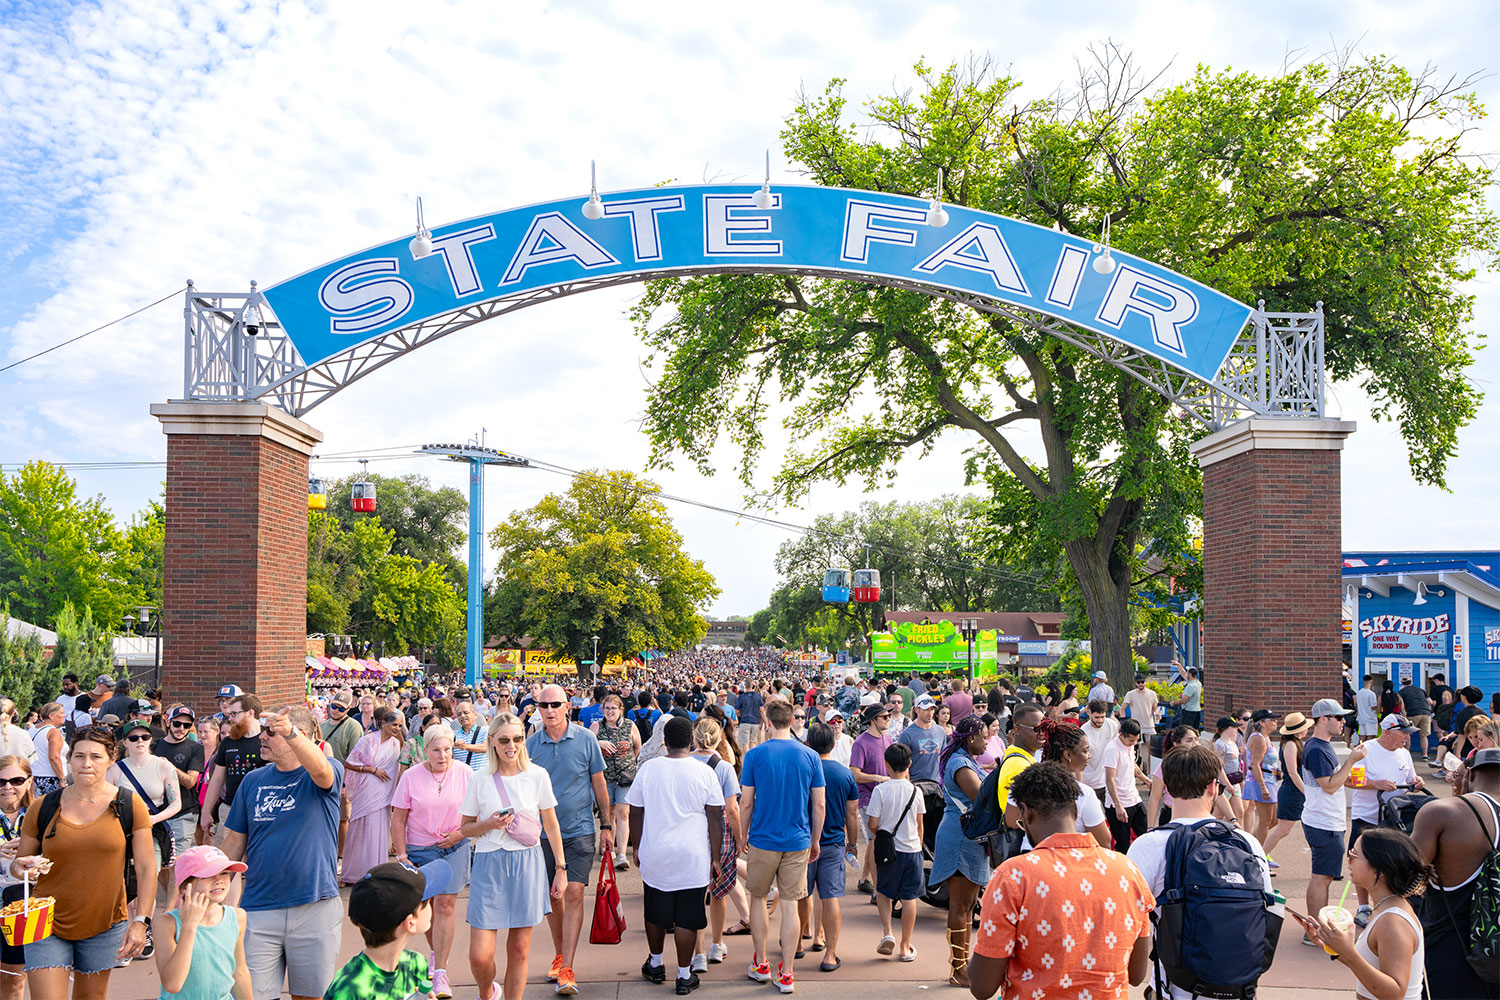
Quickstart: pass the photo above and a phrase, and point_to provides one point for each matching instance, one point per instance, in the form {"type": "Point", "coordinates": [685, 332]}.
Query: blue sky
{"type": "Point", "coordinates": [147, 142]}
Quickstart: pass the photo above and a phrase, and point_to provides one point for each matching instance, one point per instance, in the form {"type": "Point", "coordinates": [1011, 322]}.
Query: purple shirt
{"type": "Point", "coordinates": [960, 704]}
{"type": "Point", "coordinates": [868, 754]}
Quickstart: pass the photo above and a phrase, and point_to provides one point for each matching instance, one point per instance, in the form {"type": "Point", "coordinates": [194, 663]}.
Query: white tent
{"type": "Point", "coordinates": [15, 628]}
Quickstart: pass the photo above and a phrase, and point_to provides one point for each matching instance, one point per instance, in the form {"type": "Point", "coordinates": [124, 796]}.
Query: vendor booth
{"type": "Point", "coordinates": [1417, 614]}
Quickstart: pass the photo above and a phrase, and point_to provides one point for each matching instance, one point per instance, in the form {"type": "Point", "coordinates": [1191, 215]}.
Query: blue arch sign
{"type": "Point", "coordinates": [808, 229]}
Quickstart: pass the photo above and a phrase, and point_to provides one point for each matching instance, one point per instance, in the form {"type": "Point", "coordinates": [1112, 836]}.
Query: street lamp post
{"type": "Point", "coordinates": [969, 628]}
{"type": "Point", "coordinates": [148, 629]}
{"type": "Point", "coordinates": [597, 672]}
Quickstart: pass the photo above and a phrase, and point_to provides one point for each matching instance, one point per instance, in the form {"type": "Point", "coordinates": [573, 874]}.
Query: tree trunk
{"type": "Point", "coordinates": [1105, 584]}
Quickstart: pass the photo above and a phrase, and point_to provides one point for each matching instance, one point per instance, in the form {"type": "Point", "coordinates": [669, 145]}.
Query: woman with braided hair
{"type": "Point", "coordinates": [960, 862]}
{"type": "Point", "coordinates": [1063, 741]}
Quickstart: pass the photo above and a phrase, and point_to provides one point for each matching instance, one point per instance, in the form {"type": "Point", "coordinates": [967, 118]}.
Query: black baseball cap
{"type": "Point", "coordinates": [182, 712]}
{"type": "Point", "coordinates": [391, 892]}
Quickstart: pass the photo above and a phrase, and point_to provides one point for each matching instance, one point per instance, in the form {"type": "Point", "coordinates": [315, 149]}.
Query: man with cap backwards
{"type": "Point", "coordinates": [185, 754]}
{"type": "Point", "coordinates": [1456, 835]}
{"type": "Point", "coordinates": [341, 730]}
{"type": "Point", "coordinates": [867, 761]}
{"type": "Point", "coordinates": [390, 905]}
{"type": "Point", "coordinates": [1101, 691]}
{"type": "Point", "coordinates": [1388, 766]}
{"type": "Point", "coordinates": [1323, 814]}
{"type": "Point", "coordinates": [284, 823]}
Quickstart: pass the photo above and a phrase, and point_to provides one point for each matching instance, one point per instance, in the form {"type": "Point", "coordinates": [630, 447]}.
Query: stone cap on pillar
{"type": "Point", "coordinates": [245, 419]}
{"type": "Point", "coordinates": [1272, 433]}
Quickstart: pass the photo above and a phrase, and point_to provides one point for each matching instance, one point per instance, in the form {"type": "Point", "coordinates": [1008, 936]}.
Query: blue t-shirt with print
{"type": "Point", "coordinates": [926, 747]}
{"type": "Point", "coordinates": [839, 789]}
{"type": "Point", "coordinates": [292, 832]}
{"type": "Point", "coordinates": [783, 774]}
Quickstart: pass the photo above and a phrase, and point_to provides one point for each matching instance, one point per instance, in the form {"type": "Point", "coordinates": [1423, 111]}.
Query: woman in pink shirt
{"type": "Point", "coordinates": [424, 827]}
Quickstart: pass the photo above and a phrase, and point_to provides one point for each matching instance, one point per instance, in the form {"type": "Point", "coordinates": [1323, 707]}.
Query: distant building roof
{"type": "Point", "coordinates": [15, 628]}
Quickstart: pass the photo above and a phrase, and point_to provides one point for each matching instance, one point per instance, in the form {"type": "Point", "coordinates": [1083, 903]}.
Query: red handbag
{"type": "Point", "coordinates": [609, 912]}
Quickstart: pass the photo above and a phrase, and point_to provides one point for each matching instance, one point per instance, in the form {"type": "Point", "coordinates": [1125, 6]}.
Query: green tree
{"type": "Point", "coordinates": [428, 524]}
{"type": "Point", "coordinates": [931, 557]}
{"type": "Point", "coordinates": [26, 676]}
{"type": "Point", "coordinates": [601, 559]}
{"type": "Point", "coordinates": [1342, 181]}
{"type": "Point", "coordinates": [83, 648]}
{"type": "Point", "coordinates": [57, 548]}
{"type": "Point", "coordinates": [146, 538]}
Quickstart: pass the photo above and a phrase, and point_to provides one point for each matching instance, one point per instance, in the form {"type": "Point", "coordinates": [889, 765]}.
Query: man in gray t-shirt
{"type": "Point", "coordinates": [925, 739]}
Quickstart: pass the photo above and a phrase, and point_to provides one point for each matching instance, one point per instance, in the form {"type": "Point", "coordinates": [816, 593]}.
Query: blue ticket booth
{"type": "Point", "coordinates": [1417, 614]}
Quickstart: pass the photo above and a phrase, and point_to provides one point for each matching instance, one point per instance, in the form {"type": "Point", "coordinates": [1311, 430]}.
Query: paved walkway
{"type": "Point", "coordinates": [1299, 972]}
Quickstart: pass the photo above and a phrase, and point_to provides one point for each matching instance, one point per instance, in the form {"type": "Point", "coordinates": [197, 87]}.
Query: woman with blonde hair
{"type": "Point", "coordinates": [15, 799]}
{"type": "Point", "coordinates": [13, 739]}
{"type": "Point", "coordinates": [49, 771]}
{"type": "Point", "coordinates": [504, 809]}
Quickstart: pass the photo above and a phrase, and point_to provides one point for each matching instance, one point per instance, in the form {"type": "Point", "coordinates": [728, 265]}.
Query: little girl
{"type": "Point", "coordinates": [202, 955]}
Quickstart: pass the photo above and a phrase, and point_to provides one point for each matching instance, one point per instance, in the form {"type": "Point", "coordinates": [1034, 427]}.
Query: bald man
{"type": "Point", "coordinates": [570, 755]}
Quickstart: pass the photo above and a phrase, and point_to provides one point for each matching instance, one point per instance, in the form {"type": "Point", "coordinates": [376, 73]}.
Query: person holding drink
{"type": "Point", "coordinates": [15, 798]}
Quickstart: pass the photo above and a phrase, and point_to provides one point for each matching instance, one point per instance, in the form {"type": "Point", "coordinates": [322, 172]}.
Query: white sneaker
{"type": "Point", "coordinates": [699, 963]}
{"type": "Point", "coordinates": [717, 953]}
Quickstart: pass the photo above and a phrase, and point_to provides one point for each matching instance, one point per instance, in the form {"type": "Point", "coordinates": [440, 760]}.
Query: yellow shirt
{"type": "Point", "coordinates": [1015, 761]}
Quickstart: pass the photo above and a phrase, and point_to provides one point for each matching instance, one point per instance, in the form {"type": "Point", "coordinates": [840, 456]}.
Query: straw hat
{"type": "Point", "coordinates": [1295, 725]}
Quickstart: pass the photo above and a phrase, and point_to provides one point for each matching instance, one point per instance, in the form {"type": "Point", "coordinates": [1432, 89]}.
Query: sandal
{"type": "Point", "coordinates": [738, 929]}
{"type": "Point", "coordinates": [816, 946]}
{"type": "Point", "coordinates": [910, 955]}
{"type": "Point", "coordinates": [825, 967]}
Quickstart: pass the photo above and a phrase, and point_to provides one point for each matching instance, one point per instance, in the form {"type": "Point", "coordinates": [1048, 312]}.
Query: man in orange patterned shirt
{"type": "Point", "coordinates": [1069, 920]}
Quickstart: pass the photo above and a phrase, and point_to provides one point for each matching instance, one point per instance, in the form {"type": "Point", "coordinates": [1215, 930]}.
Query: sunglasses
{"type": "Point", "coordinates": [15, 782]}
{"type": "Point", "coordinates": [506, 741]}
{"type": "Point", "coordinates": [139, 738]}
{"type": "Point", "coordinates": [550, 704]}
{"type": "Point", "coordinates": [181, 725]}
{"type": "Point", "coordinates": [799, 717]}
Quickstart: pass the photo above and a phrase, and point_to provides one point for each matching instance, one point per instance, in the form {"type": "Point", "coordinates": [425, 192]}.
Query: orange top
{"type": "Point", "coordinates": [1066, 915]}
{"type": "Point", "coordinates": [88, 870]}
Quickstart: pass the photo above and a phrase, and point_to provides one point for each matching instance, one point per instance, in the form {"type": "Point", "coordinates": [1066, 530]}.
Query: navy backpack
{"type": "Point", "coordinates": [1215, 931]}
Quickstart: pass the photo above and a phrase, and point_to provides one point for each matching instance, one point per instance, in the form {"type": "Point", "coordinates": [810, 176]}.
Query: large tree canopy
{"type": "Point", "coordinates": [931, 556]}
{"type": "Point", "coordinates": [601, 559]}
{"type": "Point", "coordinates": [1342, 181]}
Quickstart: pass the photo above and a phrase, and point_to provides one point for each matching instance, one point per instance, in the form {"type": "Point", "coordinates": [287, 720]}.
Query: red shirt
{"type": "Point", "coordinates": [1066, 915]}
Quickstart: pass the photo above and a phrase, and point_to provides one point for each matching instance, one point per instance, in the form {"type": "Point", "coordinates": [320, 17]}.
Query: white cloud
{"type": "Point", "coordinates": [145, 143]}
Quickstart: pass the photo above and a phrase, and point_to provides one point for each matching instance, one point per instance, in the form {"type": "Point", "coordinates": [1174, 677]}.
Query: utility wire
{"type": "Point", "coordinates": [150, 305]}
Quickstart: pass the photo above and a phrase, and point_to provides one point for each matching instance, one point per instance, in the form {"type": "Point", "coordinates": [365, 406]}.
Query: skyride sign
{"type": "Point", "coordinates": [807, 229]}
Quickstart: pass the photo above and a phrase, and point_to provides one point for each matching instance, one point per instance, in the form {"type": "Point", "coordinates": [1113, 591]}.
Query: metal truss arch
{"type": "Point", "coordinates": [236, 350]}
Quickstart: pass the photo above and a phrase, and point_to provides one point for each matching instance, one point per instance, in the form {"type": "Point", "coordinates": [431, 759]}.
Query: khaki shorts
{"type": "Point", "coordinates": [787, 869]}
{"type": "Point", "coordinates": [749, 735]}
{"type": "Point", "coordinates": [1424, 726]}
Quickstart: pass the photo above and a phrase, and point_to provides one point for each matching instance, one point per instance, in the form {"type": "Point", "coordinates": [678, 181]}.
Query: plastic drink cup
{"type": "Point", "coordinates": [1357, 776]}
{"type": "Point", "coordinates": [1338, 917]}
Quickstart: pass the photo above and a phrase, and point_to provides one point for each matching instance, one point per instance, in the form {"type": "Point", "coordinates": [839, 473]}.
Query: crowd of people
{"type": "Point", "coordinates": [738, 784]}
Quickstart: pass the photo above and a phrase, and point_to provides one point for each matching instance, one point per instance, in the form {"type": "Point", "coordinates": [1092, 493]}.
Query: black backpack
{"type": "Point", "coordinates": [124, 810]}
{"type": "Point", "coordinates": [1215, 931]}
{"type": "Point", "coordinates": [1482, 942]}
{"type": "Point", "coordinates": [985, 817]}
{"type": "Point", "coordinates": [642, 719]}
{"type": "Point", "coordinates": [1398, 810]}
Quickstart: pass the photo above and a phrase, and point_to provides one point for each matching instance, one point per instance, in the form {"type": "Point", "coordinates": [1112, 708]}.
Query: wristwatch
{"type": "Point", "coordinates": [142, 920]}
{"type": "Point", "coordinates": [605, 826]}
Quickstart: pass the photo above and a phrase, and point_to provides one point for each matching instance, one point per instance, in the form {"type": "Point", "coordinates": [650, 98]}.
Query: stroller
{"type": "Point", "coordinates": [934, 801]}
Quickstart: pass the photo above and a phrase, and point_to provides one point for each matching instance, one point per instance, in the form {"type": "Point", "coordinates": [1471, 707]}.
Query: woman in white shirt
{"type": "Point", "coordinates": [14, 740]}
{"type": "Point", "coordinates": [508, 887]}
{"type": "Point", "coordinates": [1389, 954]}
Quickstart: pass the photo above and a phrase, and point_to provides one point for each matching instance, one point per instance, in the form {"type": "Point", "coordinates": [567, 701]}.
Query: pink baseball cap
{"type": "Point", "coordinates": [204, 862]}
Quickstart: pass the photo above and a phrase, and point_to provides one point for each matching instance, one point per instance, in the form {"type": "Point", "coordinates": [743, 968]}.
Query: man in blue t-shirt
{"type": "Point", "coordinates": [284, 825]}
{"type": "Point", "coordinates": [925, 739]}
{"type": "Point", "coordinates": [747, 706]}
{"type": "Point", "coordinates": [1324, 812]}
{"type": "Point", "coordinates": [781, 812]}
{"type": "Point", "coordinates": [826, 877]}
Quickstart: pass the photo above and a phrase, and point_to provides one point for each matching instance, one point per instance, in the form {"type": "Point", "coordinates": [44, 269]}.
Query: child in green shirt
{"type": "Point", "coordinates": [390, 905]}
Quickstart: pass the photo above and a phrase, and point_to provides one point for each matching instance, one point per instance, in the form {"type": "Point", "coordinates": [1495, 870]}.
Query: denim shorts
{"type": "Point", "coordinates": [457, 856]}
{"type": "Point", "coordinates": [617, 792]}
{"type": "Point", "coordinates": [96, 954]}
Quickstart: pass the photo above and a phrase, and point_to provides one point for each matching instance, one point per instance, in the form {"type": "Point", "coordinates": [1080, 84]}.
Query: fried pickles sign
{"type": "Point", "coordinates": [807, 229]}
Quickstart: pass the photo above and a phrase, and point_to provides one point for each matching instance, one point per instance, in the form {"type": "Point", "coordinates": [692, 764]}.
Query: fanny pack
{"type": "Point", "coordinates": [525, 829]}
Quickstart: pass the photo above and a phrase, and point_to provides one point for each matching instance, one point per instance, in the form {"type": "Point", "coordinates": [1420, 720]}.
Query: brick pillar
{"type": "Point", "coordinates": [235, 594]}
{"type": "Point", "coordinates": [1272, 605]}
